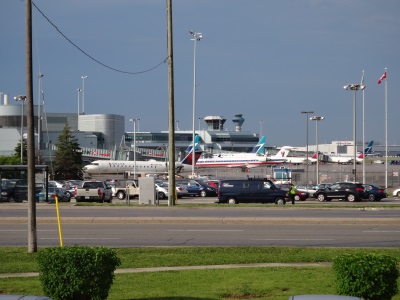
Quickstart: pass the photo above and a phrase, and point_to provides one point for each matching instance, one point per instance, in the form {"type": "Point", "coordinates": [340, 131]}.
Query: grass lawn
{"type": "Point", "coordinates": [236, 283]}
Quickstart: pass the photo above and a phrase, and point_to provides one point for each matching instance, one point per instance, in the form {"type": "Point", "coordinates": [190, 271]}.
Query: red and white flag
{"type": "Point", "coordinates": [382, 77]}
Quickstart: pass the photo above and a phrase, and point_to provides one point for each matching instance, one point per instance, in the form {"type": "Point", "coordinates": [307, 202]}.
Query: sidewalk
{"type": "Point", "coordinates": [181, 268]}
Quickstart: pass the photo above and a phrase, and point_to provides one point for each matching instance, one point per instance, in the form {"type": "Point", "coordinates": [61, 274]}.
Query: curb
{"type": "Point", "coordinates": [204, 220]}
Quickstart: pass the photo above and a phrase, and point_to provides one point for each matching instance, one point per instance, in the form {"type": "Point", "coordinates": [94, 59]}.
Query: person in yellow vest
{"type": "Point", "coordinates": [292, 192]}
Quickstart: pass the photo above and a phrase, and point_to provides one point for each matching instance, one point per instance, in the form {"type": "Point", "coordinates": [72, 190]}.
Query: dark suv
{"type": "Point", "coordinates": [349, 191]}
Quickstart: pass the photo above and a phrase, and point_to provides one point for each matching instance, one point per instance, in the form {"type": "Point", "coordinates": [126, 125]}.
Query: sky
{"type": "Point", "coordinates": [268, 60]}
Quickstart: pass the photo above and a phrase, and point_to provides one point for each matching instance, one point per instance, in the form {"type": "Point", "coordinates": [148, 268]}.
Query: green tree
{"type": "Point", "coordinates": [16, 158]}
{"type": "Point", "coordinates": [68, 159]}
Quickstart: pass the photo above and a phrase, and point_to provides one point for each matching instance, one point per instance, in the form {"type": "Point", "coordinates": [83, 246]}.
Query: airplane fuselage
{"type": "Point", "coordinates": [121, 166]}
{"type": "Point", "coordinates": [236, 161]}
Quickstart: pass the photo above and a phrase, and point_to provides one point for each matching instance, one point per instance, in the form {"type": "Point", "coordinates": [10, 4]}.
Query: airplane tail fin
{"type": "Point", "coordinates": [188, 160]}
{"type": "Point", "coordinates": [259, 148]}
{"type": "Point", "coordinates": [283, 152]}
{"type": "Point", "coordinates": [368, 149]}
{"type": "Point", "coordinates": [196, 144]}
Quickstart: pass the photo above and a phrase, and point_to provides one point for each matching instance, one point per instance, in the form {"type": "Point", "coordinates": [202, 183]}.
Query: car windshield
{"type": "Point", "coordinates": [7, 184]}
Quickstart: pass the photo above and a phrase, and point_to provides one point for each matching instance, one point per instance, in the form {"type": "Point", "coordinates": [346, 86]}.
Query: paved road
{"type": "Point", "coordinates": [268, 225]}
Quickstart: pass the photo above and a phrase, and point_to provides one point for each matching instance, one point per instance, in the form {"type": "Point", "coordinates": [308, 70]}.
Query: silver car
{"type": "Point", "coordinates": [308, 188]}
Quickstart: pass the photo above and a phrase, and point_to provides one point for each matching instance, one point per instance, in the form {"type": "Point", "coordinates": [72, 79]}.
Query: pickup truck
{"type": "Point", "coordinates": [93, 191]}
{"type": "Point", "coordinates": [130, 187]}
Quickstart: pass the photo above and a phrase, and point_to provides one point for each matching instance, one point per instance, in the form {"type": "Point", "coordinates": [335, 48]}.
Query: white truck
{"type": "Point", "coordinates": [97, 191]}
{"type": "Point", "coordinates": [128, 187]}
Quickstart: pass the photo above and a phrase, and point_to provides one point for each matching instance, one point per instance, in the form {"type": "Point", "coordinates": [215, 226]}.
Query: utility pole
{"type": "Point", "coordinates": [171, 109]}
{"type": "Point", "coordinates": [32, 233]}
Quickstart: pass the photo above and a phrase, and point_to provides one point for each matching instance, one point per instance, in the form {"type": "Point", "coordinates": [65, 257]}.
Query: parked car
{"type": "Point", "coordinates": [193, 190]}
{"type": "Point", "coordinates": [57, 184]}
{"type": "Point", "coordinates": [163, 187]}
{"type": "Point", "coordinates": [162, 190]}
{"type": "Point", "coordinates": [396, 192]}
{"type": "Point", "coordinates": [300, 195]}
{"type": "Point", "coordinates": [16, 190]}
{"type": "Point", "coordinates": [213, 183]}
{"type": "Point", "coordinates": [210, 191]}
{"type": "Point", "coordinates": [373, 192]}
{"type": "Point", "coordinates": [349, 191]}
{"type": "Point", "coordinates": [307, 188]}
{"type": "Point", "coordinates": [52, 193]}
{"type": "Point", "coordinates": [181, 191]}
{"type": "Point", "coordinates": [324, 185]}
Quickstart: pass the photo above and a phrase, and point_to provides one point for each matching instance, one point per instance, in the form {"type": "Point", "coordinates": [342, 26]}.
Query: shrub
{"type": "Point", "coordinates": [366, 275]}
{"type": "Point", "coordinates": [77, 272]}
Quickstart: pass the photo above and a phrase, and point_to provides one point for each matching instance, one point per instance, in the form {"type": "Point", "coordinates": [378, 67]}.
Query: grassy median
{"type": "Point", "coordinates": [231, 283]}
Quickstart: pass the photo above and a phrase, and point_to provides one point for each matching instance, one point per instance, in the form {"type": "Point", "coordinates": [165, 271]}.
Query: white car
{"type": "Point", "coordinates": [308, 188]}
{"type": "Point", "coordinates": [396, 192]}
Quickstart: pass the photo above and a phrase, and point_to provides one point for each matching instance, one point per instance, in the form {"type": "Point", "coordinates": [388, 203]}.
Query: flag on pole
{"type": "Point", "coordinates": [382, 77]}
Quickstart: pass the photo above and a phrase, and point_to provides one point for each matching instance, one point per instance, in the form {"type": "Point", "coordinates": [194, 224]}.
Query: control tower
{"type": "Point", "coordinates": [238, 121]}
{"type": "Point", "coordinates": [215, 123]}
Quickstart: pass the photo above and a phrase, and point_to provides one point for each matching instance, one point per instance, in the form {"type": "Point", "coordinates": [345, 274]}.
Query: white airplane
{"type": "Point", "coordinates": [301, 159]}
{"type": "Point", "coordinates": [244, 160]}
{"type": "Point", "coordinates": [149, 166]}
{"type": "Point", "coordinates": [346, 159]}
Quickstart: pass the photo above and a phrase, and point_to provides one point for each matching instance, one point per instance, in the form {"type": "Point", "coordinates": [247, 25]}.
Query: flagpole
{"type": "Point", "coordinates": [386, 134]}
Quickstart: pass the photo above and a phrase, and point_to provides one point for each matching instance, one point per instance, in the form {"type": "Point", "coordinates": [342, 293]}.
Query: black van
{"type": "Point", "coordinates": [250, 190]}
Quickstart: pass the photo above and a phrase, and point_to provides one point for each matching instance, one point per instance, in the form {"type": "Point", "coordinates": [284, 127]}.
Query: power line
{"type": "Point", "coordinates": [91, 57]}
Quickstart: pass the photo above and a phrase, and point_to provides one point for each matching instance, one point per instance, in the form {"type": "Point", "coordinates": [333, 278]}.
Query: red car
{"type": "Point", "coordinates": [213, 183]}
{"type": "Point", "coordinates": [300, 196]}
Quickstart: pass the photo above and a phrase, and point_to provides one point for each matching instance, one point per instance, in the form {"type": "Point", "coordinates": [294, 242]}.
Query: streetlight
{"type": "Point", "coordinates": [39, 116]}
{"type": "Point", "coordinates": [83, 94]}
{"type": "Point", "coordinates": [197, 36]}
{"type": "Point", "coordinates": [363, 124]}
{"type": "Point", "coordinates": [307, 113]}
{"type": "Point", "coordinates": [355, 88]}
{"type": "Point", "coordinates": [316, 119]}
{"type": "Point", "coordinates": [22, 99]}
{"type": "Point", "coordinates": [261, 129]}
{"type": "Point", "coordinates": [79, 91]}
{"type": "Point", "coordinates": [134, 120]}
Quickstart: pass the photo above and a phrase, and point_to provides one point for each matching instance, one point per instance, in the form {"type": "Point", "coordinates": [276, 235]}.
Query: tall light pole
{"type": "Point", "coordinates": [40, 76]}
{"type": "Point", "coordinates": [197, 36]}
{"type": "Point", "coordinates": [83, 94]}
{"type": "Point", "coordinates": [307, 162]}
{"type": "Point", "coordinates": [79, 92]}
{"type": "Point", "coordinates": [22, 99]}
{"type": "Point", "coordinates": [363, 124]}
{"type": "Point", "coordinates": [316, 119]}
{"type": "Point", "coordinates": [261, 128]}
{"type": "Point", "coordinates": [355, 88]}
{"type": "Point", "coordinates": [134, 120]}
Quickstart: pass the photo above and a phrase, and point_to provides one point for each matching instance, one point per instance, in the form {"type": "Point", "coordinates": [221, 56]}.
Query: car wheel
{"type": "Point", "coordinates": [161, 195]}
{"type": "Point", "coordinates": [231, 201]}
{"type": "Point", "coordinates": [203, 193]}
{"type": "Point", "coordinates": [371, 197]}
{"type": "Point", "coordinates": [296, 197]}
{"type": "Point", "coordinates": [321, 197]}
{"type": "Point", "coordinates": [280, 201]}
{"type": "Point", "coordinates": [398, 194]}
{"type": "Point", "coordinates": [351, 198]}
{"type": "Point", "coordinates": [121, 195]}
{"type": "Point", "coordinates": [11, 199]}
